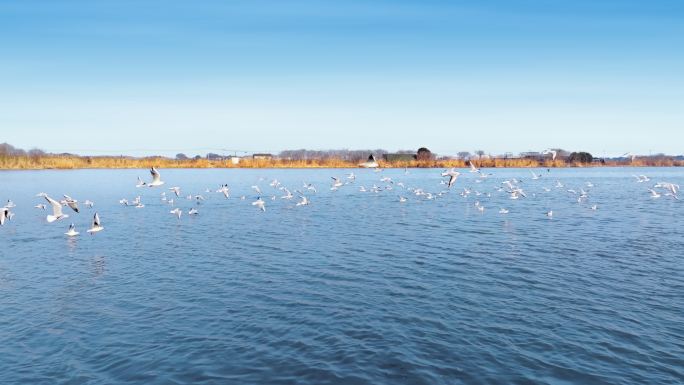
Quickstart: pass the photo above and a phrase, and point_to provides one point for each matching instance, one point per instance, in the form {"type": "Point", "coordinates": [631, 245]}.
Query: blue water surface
{"type": "Point", "coordinates": [355, 288]}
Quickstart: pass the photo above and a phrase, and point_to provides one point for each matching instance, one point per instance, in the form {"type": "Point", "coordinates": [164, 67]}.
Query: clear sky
{"type": "Point", "coordinates": [141, 77]}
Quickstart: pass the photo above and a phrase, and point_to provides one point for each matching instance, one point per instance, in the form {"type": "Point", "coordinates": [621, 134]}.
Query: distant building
{"type": "Point", "coordinates": [235, 159]}
{"type": "Point", "coordinates": [262, 156]}
{"type": "Point", "coordinates": [399, 157]}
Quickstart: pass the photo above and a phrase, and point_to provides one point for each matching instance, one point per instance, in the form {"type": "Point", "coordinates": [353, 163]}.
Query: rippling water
{"type": "Point", "coordinates": [355, 288]}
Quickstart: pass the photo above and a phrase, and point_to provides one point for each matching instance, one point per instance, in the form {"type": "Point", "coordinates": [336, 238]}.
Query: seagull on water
{"type": "Point", "coordinates": [402, 199]}
{"type": "Point", "coordinates": [72, 231]}
{"type": "Point", "coordinates": [503, 211]}
{"type": "Point", "coordinates": [56, 209]}
{"type": "Point", "coordinates": [96, 227]}
{"type": "Point", "coordinates": [193, 211]}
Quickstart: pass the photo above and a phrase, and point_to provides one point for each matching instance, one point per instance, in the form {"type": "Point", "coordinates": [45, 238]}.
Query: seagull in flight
{"type": "Point", "coordinates": [337, 183]}
{"type": "Point", "coordinates": [225, 190]}
{"type": "Point", "coordinates": [177, 212]}
{"type": "Point", "coordinates": [453, 176]}
{"type": "Point", "coordinates": [96, 227]}
{"type": "Point", "coordinates": [56, 209]}
{"type": "Point", "coordinates": [5, 214]}
{"type": "Point", "coordinates": [304, 202]}
{"type": "Point", "coordinates": [156, 179]}
{"type": "Point", "coordinates": [260, 204]}
{"type": "Point", "coordinates": [552, 152]}
{"type": "Point", "coordinates": [71, 202]}
{"type": "Point", "coordinates": [176, 190]}
{"type": "Point", "coordinates": [473, 169]}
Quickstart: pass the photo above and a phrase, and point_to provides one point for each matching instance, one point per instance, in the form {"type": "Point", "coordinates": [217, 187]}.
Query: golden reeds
{"type": "Point", "coordinates": [76, 162]}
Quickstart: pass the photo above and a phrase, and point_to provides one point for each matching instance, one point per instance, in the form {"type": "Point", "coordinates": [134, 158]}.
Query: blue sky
{"type": "Point", "coordinates": [141, 77]}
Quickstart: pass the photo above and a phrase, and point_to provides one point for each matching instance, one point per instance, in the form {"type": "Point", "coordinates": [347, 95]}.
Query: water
{"type": "Point", "coordinates": [355, 288]}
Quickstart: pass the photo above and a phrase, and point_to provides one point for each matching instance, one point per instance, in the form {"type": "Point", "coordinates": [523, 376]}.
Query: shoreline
{"type": "Point", "coordinates": [73, 162]}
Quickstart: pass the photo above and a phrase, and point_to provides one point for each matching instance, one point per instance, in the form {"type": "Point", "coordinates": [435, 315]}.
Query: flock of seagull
{"type": "Point", "coordinates": [512, 187]}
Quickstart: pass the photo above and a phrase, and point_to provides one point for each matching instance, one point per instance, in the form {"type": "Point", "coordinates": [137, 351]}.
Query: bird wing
{"type": "Point", "coordinates": [56, 206]}
{"type": "Point", "coordinates": [156, 177]}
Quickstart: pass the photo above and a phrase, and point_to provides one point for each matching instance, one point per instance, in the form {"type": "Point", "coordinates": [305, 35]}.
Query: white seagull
{"type": "Point", "coordinates": [260, 204]}
{"type": "Point", "coordinates": [56, 209]}
{"type": "Point", "coordinates": [177, 212]}
{"type": "Point", "coordinates": [72, 231]}
{"type": "Point", "coordinates": [453, 176]}
{"type": "Point", "coordinates": [96, 226]}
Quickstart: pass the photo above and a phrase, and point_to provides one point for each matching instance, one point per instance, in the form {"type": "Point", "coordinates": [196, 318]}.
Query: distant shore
{"type": "Point", "coordinates": [60, 162]}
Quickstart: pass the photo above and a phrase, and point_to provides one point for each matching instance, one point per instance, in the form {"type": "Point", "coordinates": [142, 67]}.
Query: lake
{"type": "Point", "coordinates": [354, 288]}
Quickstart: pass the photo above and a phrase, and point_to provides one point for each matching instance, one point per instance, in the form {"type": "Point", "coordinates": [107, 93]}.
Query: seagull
{"type": "Point", "coordinates": [351, 176]}
{"type": "Point", "coordinates": [176, 212]}
{"type": "Point", "coordinates": [402, 199]}
{"type": "Point", "coordinates": [40, 206]}
{"type": "Point", "coordinates": [304, 202]}
{"type": "Point", "coordinates": [550, 214]}
{"type": "Point", "coordinates": [225, 190]}
{"type": "Point", "coordinates": [71, 202]}
{"type": "Point", "coordinates": [473, 169]}
{"type": "Point", "coordinates": [654, 194]}
{"type": "Point", "coordinates": [89, 203]}
{"type": "Point", "coordinates": [95, 227]}
{"type": "Point", "coordinates": [257, 189]}
{"type": "Point", "coordinates": [594, 207]}
{"type": "Point", "coordinates": [156, 179]}
{"type": "Point", "coordinates": [336, 183]}
{"type": "Point", "coordinates": [553, 153]}
{"type": "Point", "coordinates": [503, 211]}
{"type": "Point", "coordinates": [10, 204]}
{"type": "Point", "coordinates": [56, 209]}
{"type": "Point", "coordinates": [453, 175]}
{"type": "Point", "coordinates": [642, 178]}
{"type": "Point", "coordinates": [193, 211]}
{"type": "Point", "coordinates": [288, 195]}
{"type": "Point", "coordinates": [310, 187]}
{"type": "Point", "coordinates": [176, 190]}
{"type": "Point", "coordinates": [535, 176]}
{"type": "Point", "coordinates": [72, 231]}
{"type": "Point", "coordinates": [260, 203]}
{"type": "Point", "coordinates": [5, 214]}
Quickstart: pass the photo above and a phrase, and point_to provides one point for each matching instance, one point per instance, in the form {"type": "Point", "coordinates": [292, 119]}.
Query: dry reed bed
{"type": "Point", "coordinates": [109, 162]}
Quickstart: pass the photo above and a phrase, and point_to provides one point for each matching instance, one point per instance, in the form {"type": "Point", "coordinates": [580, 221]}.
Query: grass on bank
{"type": "Point", "coordinates": [76, 162]}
